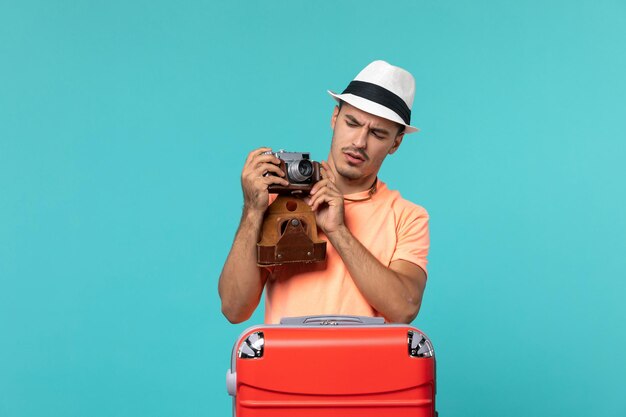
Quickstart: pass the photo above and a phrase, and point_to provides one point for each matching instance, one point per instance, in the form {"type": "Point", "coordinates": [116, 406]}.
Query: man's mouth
{"type": "Point", "coordinates": [354, 157]}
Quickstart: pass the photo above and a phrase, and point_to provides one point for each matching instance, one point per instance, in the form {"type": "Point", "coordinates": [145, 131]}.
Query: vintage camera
{"type": "Point", "coordinates": [300, 171]}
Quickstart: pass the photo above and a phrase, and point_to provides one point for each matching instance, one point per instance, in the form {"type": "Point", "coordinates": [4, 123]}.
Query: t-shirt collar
{"type": "Point", "coordinates": [364, 195]}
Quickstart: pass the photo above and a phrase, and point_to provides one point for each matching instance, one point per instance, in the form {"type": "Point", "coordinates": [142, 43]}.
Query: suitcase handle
{"type": "Point", "coordinates": [331, 321]}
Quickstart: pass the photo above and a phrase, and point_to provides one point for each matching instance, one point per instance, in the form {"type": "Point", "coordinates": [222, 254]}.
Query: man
{"type": "Point", "coordinates": [378, 242]}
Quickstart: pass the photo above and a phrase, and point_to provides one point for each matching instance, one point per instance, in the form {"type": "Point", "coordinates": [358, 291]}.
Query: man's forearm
{"type": "Point", "coordinates": [389, 292]}
{"type": "Point", "coordinates": [241, 281]}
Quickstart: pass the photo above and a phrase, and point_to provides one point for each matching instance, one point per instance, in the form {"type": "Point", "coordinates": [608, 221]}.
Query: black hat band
{"type": "Point", "coordinates": [382, 96]}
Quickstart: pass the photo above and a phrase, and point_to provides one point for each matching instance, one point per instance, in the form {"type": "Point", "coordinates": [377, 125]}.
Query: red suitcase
{"type": "Point", "coordinates": [327, 366]}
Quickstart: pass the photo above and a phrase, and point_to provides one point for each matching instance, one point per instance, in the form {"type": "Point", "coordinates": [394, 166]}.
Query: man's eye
{"type": "Point", "coordinates": [352, 124]}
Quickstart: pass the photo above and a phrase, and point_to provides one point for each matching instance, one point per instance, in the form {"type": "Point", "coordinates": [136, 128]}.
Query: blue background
{"type": "Point", "coordinates": [123, 130]}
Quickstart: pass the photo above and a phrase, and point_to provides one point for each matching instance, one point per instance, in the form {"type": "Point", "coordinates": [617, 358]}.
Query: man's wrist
{"type": "Point", "coordinates": [252, 215]}
{"type": "Point", "coordinates": [340, 234]}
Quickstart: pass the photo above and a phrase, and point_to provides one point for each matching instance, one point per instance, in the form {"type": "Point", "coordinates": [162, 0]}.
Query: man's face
{"type": "Point", "coordinates": [360, 143]}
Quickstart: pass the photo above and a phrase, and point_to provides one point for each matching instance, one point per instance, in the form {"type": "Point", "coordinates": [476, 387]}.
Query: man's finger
{"type": "Point", "coordinates": [313, 199]}
{"type": "Point", "coordinates": [273, 179]}
{"type": "Point", "coordinates": [318, 185]}
{"type": "Point", "coordinates": [256, 152]}
{"type": "Point", "coordinates": [322, 198]}
{"type": "Point", "coordinates": [264, 159]}
{"type": "Point", "coordinates": [325, 195]}
{"type": "Point", "coordinates": [326, 171]}
{"type": "Point", "coordinates": [266, 167]}
{"type": "Point", "coordinates": [331, 185]}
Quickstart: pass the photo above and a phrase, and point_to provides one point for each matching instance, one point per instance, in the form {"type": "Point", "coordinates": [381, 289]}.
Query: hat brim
{"type": "Point", "coordinates": [373, 108]}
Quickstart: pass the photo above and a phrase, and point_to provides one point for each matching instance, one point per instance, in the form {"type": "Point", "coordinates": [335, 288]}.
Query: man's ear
{"type": "Point", "coordinates": [396, 143]}
{"type": "Point", "coordinates": [333, 119]}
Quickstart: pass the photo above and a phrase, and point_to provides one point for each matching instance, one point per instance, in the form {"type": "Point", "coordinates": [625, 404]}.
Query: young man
{"type": "Point", "coordinates": [378, 242]}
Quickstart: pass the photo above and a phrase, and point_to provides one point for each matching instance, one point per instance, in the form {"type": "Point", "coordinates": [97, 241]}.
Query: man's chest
{"type": "Point", "coordinates": [375, 227]}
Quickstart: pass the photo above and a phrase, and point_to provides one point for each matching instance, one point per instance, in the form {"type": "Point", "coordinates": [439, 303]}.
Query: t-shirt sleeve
{"type": "Point", "coordinates": [413, 237]}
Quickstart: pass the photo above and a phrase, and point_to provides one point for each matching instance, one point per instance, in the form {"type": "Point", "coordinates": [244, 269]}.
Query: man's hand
{"type": "Point", "coordinates": [242, 281]}
{"type": "Point", "coordinates": [255, 183]}
{"type": "Point", "coordinates": [327, 202]}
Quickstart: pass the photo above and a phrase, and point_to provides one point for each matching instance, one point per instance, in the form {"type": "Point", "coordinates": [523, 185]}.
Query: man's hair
{"type": "Point", "coordinates": [400, 127]}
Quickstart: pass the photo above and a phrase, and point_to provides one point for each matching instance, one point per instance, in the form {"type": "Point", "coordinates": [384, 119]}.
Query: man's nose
{"type": "Point", "coordinates": [360, 140]}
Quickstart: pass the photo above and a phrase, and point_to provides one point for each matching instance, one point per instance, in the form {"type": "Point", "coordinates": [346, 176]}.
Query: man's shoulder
{"type": "Point", "coordinates": [399, 204]}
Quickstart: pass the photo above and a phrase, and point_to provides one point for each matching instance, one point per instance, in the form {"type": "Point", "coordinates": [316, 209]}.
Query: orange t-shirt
{"type": "Point", "coordinates": [390, 227]}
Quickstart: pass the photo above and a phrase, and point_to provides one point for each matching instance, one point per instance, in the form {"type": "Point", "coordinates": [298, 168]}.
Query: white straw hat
{"type": "Point", "coordinates": [383, 90]}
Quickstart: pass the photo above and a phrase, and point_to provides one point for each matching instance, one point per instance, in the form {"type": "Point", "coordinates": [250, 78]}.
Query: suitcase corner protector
{"type": "Point", "coordinates": [231, 383]}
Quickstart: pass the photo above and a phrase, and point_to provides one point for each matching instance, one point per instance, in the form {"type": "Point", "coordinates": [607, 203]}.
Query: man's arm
{"type": "Point", "coordinates": [395, 291]}
{"type": "Point", "coordinates": [241, 281]}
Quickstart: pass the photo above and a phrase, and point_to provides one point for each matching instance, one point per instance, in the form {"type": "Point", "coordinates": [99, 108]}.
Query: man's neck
{"type": "Point", "coordinates": [349, 186]}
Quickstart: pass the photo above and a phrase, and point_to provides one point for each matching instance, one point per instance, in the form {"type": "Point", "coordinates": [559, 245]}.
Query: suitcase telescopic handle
{"type": "Point", "coordinates": [331, 321]}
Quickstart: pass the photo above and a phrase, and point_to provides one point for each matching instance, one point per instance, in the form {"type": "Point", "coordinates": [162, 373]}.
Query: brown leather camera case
{"type": "Point", "coordinates": [289, 234]}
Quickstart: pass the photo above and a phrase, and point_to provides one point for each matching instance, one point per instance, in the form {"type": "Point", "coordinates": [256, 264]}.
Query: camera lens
{"type": "Point", "coordinates": [301, 170]}
{"type": "Point", "coordinates": [305, 168]}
